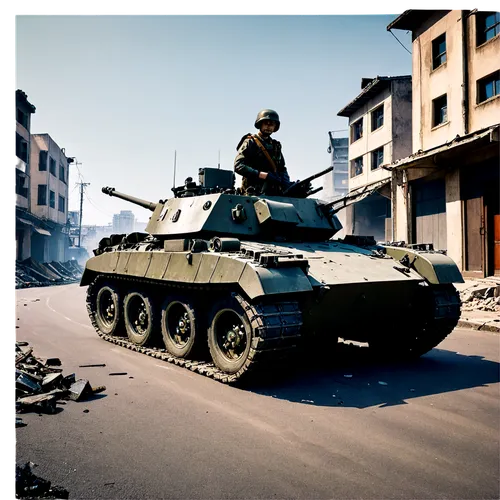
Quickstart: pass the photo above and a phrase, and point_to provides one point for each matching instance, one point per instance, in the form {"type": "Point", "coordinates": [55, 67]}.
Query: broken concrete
{"type": "Point", "coordinates": [480, 304]}
{"type": "Point", "coordinates": [31, 273]}
{"type": "Point", "coordinates": [39, 386]}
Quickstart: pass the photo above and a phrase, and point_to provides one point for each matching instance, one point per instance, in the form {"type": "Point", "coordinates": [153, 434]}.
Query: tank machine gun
{"type": "Point", "coordinates": [258, 277]}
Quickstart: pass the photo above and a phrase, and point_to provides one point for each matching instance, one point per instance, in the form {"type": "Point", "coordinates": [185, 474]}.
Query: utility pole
{"type": "Point", "coordinates": [82, 186]}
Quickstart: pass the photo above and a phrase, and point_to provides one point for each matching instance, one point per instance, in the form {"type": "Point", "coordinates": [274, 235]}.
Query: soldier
{"type": "Point", "coordinates": [260, 160]}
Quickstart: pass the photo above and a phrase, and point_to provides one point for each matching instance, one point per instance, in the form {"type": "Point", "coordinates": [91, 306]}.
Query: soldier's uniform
{"type": "Point", "coordinates": [251, 160]}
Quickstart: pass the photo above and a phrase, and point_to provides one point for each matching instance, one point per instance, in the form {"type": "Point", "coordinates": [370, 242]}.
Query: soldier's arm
{"type": "Point", "coordinates": [241, 162]}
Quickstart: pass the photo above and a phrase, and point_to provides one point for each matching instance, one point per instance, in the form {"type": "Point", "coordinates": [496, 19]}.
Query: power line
{"type": "Point", "coordinates": [95, 206]}
{"type": "Point", "coordinates": [399, 41]}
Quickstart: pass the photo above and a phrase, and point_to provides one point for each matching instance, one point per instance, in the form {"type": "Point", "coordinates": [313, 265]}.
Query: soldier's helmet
{"type": "Point", "coordinates": [267, 114]}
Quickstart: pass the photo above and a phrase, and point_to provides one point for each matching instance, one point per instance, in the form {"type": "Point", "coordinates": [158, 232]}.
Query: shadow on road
{"type": "Point", "coordinates": [352, 378]}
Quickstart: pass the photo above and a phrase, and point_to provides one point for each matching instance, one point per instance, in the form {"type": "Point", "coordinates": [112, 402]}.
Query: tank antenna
{"type": "Point", "coordinates": [218, 164]}
{"type": "Point", "coordinates": [175, 164]}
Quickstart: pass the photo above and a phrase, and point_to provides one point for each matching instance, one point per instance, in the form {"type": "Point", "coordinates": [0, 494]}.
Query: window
{"type": "Point", "coordinates": [488, 86]}
{"type": "Point", "coordinates": [52, 166]}
{"type": "Point", "coordinates": [21, 188]}
{"type": "Point", "coordinates": [23, 150]}
{"type": "Point", "coordinates": [377, 117]}
{"type": "Point", "coordinates": [377, 158]}
{"type": "Point", "coordinates": [487, 26]}
{"type": "Point", "coordinates": [357, 130]}
{"type": "Point", "coordinates": [61, 203]}
{"type": "Point", "coordinates": [52, 199]}
{"type": "Point", "coordinates": [357, 166]}
{"type": "Point", "coordinates": [439, 51]}
{"type": "Point", "coordinates": [439, 110]}
{"type": "Point", "coordinates": [42, 194]}
{"type": "Point", "coordinates": [61, 172]}
{"type": "Point", "coordinates": [42, 160]}
{"type": "Point", "coordinates": [22, 118]}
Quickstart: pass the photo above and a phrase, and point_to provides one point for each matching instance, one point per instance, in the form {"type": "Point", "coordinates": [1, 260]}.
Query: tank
{"type": "Point", "coordinates": [227, 285]}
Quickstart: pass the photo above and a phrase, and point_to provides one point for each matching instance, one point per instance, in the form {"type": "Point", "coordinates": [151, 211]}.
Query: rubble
{"type": "Point", "coordinates": [481, 296]}
{"type": "Point", "coordinates": [28, 485]}
{"type": "Point", "coordinates": [40, 385]}
{"type": "Point", "coordinates": [31, 273]}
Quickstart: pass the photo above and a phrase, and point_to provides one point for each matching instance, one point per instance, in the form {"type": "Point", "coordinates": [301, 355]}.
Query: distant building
{"type": "Point", "coordinates": [49, 198]}
{"type": "Point", "coordinates": [124, 222]}
{"type": "Point", "coordinates": [335, 184]}
{"type": "Point", "coordinates": [447, 191]}
{"type": "Point", "coordinates": [380, 132]}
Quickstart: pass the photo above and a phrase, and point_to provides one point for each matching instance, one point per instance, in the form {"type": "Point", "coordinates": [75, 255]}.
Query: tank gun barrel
{"type": "Point", "coordinates": [298, 185]}
{"type": "Point", "coordinates": [136, 201]}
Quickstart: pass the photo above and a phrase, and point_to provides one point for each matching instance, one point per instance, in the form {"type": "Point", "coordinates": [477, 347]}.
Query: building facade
{"type": "Point", "coordinates": [379, 132]}
{"type": "Point", "coordinates": [24, 110]}
{"type": "Point", "coordinates": [49, 198]}
{"type": "Point", "coordinates": [447, 192]}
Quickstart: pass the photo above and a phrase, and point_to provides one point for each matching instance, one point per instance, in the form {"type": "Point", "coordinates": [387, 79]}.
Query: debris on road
{"type": "Point", "coordinates": [40, 386]}
{"type": "Point", "coordinates": [28, 485]}
{"type": "Point", "coordinates": [482, 296]}
{"type": "Point", "coordinates": [92, 366]}
{"type": "Point", "coordinates": [118, 373]}
{"type": "Point", "coordinates": [31, 273]}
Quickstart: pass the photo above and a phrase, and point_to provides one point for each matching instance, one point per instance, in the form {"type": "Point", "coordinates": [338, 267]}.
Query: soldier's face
{"type": "Point", "coordinates": [268, 127]}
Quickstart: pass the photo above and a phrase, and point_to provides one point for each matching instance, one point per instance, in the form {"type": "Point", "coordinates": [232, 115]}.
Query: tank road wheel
{"type": "Point", "coordinates": [139, 318]}
{"type": "Point", "coordinates": [179, 327]}
{"type": "Point", "coordinates": [230, 336]}
{"type": "Point", "coordinates": [107, 309]}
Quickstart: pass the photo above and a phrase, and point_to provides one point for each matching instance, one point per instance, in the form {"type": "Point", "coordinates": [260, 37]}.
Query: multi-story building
{"type": "Point", "coordinates": [124, 222]}
{"type": "Point", "coordinates": [380, 132]}
{"type": "Point", "coordinates": [447, 191]}
{"type": "Point", "coordinates": [49, 198]}
{"type": "Point", "coordinates": [24, 110]}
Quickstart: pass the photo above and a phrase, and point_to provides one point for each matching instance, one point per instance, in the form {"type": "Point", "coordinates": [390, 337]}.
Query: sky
{"type": "Point", "coordinates": [124, 94]}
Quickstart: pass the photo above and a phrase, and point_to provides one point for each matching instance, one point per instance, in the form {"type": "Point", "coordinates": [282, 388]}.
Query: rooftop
{"type": "Point", "coordinates": [371, 87]}
{"type": "Point", "coordinates": [21, 97]}
{"type": "Point", "coordinates": [489, 134]}
{"type": "Point", "coordinates": [411, 19]}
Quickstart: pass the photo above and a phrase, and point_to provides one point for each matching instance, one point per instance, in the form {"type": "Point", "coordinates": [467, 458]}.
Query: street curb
{"type": "Point", "coordinates": [478, 325]}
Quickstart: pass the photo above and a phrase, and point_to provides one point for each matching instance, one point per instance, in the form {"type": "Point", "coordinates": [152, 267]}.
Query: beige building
{"type": "Point", "coordinates": [49, 197]}
{"type": "Point", "coordinates": [380, 132]}
{"type": "Point", "coordinates": [25, 223]}
{"type": "Point", "coordinates": [447, 192]}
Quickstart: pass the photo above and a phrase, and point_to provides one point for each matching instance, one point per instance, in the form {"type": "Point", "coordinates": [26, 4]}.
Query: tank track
{"type": "Point", "coordinates": [443, 319]}
{"type": "Point", "coordinates": [278, 327]}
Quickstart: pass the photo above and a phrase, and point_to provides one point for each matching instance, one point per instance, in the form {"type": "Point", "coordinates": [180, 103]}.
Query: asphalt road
{"type": "Point", "coordinates": [329, 430]}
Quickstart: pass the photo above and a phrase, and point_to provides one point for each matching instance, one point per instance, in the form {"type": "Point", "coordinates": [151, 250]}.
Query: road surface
{"type": "Point", "coordinates": [348, 428]}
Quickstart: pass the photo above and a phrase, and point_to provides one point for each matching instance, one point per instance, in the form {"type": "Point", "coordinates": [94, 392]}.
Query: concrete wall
{"type": "Point", "coordinates": [483, 60]}
{"type": "Point", "coordinates": [401, 91]}
{"type": "Point", "coordinates": [454, 226]}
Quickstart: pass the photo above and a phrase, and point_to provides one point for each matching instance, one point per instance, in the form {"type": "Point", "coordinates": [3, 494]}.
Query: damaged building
{"type": "Point", "coordinates": [42, 228]}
